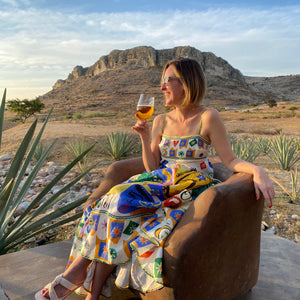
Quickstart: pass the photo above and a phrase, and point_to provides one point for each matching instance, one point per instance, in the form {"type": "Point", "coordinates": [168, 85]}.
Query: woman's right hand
{"type": "Point", "coordinates": [142, 128]}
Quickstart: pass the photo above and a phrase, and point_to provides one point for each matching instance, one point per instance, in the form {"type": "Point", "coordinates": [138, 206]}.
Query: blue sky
{"type": "Point", "coordinates": [43, 40]}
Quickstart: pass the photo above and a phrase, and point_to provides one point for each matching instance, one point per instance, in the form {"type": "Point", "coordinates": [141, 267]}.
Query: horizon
{"type": "Point", "coordinates": [42, 41]}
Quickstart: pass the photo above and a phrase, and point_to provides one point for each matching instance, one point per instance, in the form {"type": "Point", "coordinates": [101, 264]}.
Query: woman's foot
{"type": "Point", "coordinates": [60, 288]}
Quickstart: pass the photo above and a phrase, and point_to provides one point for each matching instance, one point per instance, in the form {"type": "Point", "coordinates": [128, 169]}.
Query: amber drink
{"type": "Point", "coordinates": [145, 112]}
{"type": "Point", "coordinates": [145, 106]}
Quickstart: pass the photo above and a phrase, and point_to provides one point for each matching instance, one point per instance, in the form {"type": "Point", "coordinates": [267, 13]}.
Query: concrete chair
{"type": "Point", "coordinates": [214, 251]}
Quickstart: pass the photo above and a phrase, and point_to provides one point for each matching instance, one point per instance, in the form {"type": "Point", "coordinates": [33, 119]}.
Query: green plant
{"type": "Point", "coordinates": [272, 103]}
{"type": "Point", "coordinates": [283, 152]}
{"type": "Point", "coordinates": [118, 145]}
{"type": "Point", "coordinates": [77, 116]}
{"type": "Point", "coordinates": [99, 115]}
{"type": "Point", "coordinates": [263, 144]}
{"type": "Point", "coordinates": [76, 148]}
{"type": "Point", "coordinates": [39, 151]}
{"type": "Point", "coordinates": [16, 184]}
{"type": "Point", "coordinates": [25, 108]}
{"type": "Point", "coordinates": [244, 148]}
{"type": "Point", "coordinates": [294, 194]}
{"type": "Point", "coordinates": [293, 108]}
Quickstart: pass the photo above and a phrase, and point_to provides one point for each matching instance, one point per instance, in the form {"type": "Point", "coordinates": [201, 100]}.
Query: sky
{"type": "Point", "coordinates": [42, 41]}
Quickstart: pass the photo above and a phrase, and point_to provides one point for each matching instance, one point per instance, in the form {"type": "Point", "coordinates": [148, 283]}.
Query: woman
{"type": "Point", "coordinates": [128, 227]}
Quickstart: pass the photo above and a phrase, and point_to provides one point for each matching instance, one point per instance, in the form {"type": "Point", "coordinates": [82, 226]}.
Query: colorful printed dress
{"type": "Point", "coordinates": [129, 225]}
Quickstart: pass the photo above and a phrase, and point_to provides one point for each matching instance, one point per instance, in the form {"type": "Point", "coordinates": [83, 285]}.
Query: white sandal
{"type": "Point", "coordinates": [58, 280]}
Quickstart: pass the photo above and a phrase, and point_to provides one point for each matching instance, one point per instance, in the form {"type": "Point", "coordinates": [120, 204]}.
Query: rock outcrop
{"type": "Point", "coordinates": [116, 79]}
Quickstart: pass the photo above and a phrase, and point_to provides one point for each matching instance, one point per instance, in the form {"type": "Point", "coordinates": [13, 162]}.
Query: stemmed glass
{"type": "Point", "coordinates": [145, 106]}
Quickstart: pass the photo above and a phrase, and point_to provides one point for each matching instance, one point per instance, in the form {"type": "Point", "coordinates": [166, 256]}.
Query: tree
{"type": "Point", "coordinates": [25, 108]}
{"type": "Point", "coordinates": [272, 102]}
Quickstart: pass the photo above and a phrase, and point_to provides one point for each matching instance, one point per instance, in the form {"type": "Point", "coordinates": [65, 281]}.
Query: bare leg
{"type": "Point", "coordinates": [101, 273]}
{"type": "Point", "coordinates": [116, 173]}
{"type": "Point", "coordinates": [76, 274]}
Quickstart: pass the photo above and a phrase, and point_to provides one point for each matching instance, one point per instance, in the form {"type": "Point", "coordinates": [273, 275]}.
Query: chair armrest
{"type": "Point", "coordinates": [214, 250]}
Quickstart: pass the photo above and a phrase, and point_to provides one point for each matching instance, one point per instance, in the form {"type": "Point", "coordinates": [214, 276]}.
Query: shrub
{"type": "Point", "coordinates": [245, 148]}
{"type": "Point", "coordinates": [118, 145]}
{"type": "Point", "coordinates": [77, 116]}
{"type": "Point", "coordinates": [39, 152]}
{"type": "Point", "coordinates": [272, 103]}
{"type": "Point", "coordinates": [294, 193]}
{"type": "Point", "coordinates": [99, 115]}
{"type": "Point", "coordinates": [76, 148]}
{"type": "Point", "coordinates": [284, 153]}
{"type": "Point", "coordinates": [263, 144]}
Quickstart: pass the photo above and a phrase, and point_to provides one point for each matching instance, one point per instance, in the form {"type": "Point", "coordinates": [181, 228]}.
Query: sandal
{"type": "Point", "coordinates": [52, 294]}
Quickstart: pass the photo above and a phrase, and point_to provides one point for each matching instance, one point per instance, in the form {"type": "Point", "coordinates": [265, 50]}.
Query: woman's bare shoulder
{"type": "Point", "coordinates": [210, 113]}
{"type": "Point", "coordinates": [159, 119]}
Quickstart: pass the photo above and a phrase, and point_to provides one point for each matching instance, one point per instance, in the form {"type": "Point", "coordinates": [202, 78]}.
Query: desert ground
{"type": "Point", "coordinates": [252, 121]}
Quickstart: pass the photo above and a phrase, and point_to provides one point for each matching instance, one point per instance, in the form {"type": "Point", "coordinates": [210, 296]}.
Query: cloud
{"type": "Point", "coordinates": [46, 44]}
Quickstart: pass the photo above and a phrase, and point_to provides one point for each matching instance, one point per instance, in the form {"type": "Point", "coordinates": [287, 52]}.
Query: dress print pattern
{"type": "Point", "coordinates": [128, 226]}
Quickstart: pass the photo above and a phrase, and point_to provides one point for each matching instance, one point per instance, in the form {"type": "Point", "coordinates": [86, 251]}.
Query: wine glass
{"type": "Point", "coordinates": [145, 106]}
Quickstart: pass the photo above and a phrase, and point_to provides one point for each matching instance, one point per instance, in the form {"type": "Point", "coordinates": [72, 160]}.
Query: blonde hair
{"type": "Point", "coordinates": [192, 77]}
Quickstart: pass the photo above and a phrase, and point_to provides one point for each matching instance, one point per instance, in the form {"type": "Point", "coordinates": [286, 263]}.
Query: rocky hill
{"type": "Point", "coordinates": [115, 81]}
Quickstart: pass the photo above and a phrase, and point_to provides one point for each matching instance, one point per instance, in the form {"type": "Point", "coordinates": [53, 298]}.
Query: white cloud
{"type": "Point", "coordinates": [48, 44]}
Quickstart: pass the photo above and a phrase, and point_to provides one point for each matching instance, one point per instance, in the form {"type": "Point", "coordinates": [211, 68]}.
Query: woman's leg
{"type": "Point", "coordinates": [101, 273]}
{"type": "Point", "coordinates": [75, 273]}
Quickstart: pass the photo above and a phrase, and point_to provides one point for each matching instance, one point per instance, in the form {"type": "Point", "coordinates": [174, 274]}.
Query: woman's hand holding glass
{"type": "Point", "coordinates": [145, 108]}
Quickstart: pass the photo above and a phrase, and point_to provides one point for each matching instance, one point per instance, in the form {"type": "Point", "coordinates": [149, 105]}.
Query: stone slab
{"type": "Point", "coordinates": [25, 272]}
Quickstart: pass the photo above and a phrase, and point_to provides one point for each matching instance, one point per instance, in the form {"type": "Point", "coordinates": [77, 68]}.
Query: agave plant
{"type": "Point", "coordinates": [118, 145]}
{"type": "Point", "coordinates": [284, 152]}
{"type": "Point", "coordinates": [263, 144]}
{"type": "Point", "coordinates": [294, 193]}
{"type": "Point", "coordinates": [245, 148]}
{"type": "Point", "coordinates": [75, 148]}
{"type": "Point", "coordinates": [30, 223]}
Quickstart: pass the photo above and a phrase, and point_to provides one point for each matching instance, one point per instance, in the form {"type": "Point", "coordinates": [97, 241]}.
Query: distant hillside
{"type": "Point", "coordinates": [115, 81]}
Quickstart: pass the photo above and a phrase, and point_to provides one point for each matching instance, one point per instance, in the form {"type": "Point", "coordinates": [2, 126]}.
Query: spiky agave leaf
{"type": "Point", "coordinates": [18, 167]}
{"type": "Point", "coordinates": [2, 108]}
{"type": "Point", "coordinates": [29, 223]}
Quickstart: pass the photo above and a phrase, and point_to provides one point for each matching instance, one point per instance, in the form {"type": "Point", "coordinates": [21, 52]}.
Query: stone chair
{"type": "Point", "coordinates": [214, 251]}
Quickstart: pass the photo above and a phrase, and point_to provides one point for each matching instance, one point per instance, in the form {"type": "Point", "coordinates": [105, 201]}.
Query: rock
{"type": "Point", "coordinates": [295, 217]}
{"type": "Point", "coordinates": [31, 240]}
{"type": "Point", "coordinates": [5, 157]}
{"type": "Point", "coordinates": [289, 218]}
{"type": "Point", "coordinates": [272, 230]}
{"type": "Point", "coordinates": [21, 208]}
{"type": "Point", "coordinates": [3, 296]}
{"type": "Point", "coordinates": [272, 212]}
{"type": "Point", "coordinates": [112, 73]}
{"type": "Point", "coordinates": [297, 238]}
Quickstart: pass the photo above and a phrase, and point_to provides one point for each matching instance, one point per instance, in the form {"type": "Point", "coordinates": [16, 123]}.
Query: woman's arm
{"type": "Point", "coordinates": [150, 150]}
{"type": "Point", "coordinates": [214, 129]}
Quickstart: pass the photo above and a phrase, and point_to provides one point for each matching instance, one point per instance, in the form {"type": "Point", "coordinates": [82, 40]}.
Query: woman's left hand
{"type": "Point", "coordinates": [263, 184]}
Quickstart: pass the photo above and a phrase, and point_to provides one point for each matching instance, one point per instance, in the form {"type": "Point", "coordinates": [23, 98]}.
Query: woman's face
{"type": "Point", "coordinates": [173, 89]}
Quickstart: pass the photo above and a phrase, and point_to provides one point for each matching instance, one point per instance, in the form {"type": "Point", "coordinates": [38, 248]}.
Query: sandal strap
{"type": "Point", "coordinates": [67, 284]}
{"type": "Point", "coordinates": [62, 281]}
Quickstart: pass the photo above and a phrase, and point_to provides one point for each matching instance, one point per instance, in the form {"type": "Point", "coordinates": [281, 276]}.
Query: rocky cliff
{"type": "Point", "coordinates": [116, 79]}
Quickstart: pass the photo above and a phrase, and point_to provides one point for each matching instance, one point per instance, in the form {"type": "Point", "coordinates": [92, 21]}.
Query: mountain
{"type": "Point", "coordinates": [114, 82]}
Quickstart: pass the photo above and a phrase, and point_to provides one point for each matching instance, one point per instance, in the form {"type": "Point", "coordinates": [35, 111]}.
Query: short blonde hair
{"type": "Point", "coordinates": [192, 77]}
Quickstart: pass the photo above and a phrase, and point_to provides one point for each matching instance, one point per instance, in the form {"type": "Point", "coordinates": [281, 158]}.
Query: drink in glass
{"type": "Point", "coordinates": [145, 106]}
